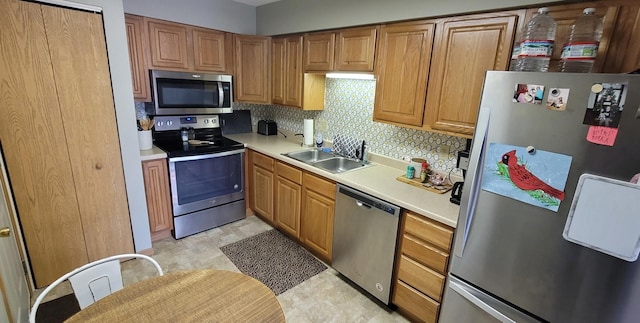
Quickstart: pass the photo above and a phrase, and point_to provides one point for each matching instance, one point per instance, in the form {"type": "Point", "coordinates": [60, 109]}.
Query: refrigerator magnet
{"type": "Point", "coordinates": [528, 93]}
{"type": "Point", "coordinates": [538, 179]}
{"type": "Point", "coordinates": [557, 99]}
{"type": "Point", "coordinates": [605, 104]}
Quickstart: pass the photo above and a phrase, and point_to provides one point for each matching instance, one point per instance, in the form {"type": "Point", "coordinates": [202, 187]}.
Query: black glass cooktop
{"type": "Point", "coordinates": [175, 147]}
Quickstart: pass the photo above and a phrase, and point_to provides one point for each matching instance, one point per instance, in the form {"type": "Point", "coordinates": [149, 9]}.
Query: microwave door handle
{"type": "Point", "coordinates": [220, 94]}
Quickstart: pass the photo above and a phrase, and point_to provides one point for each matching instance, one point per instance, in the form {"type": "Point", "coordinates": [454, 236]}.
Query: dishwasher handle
{"type": "Point", "coordinates": [362, 204]}
{"type": "Point", "coordinates": [368, 201]}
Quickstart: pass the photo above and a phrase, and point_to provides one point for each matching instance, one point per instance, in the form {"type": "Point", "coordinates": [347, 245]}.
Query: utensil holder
{"type": "Point", "coordinates": [144, 140]}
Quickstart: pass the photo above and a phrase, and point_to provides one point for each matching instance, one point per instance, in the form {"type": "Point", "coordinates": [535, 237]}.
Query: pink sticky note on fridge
{"type": "Point", "coordinates": [602, 135]}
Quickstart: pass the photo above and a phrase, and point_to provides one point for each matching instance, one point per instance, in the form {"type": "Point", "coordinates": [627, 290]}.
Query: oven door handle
{"type": "Point", "coordinates": [214, 155]}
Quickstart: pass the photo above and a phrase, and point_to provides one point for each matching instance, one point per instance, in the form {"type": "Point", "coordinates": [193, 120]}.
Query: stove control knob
{"type": "Point", "coordinates": [169, 123]}
{"type": "Point", "coordinates": [160, 123]}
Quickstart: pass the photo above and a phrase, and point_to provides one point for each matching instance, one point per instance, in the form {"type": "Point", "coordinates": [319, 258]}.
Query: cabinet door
{"type": "Point", "coordinates": [278, 70]}
{"type": "Point", "coordinates": [88, 114]}
{"type": "Point", "coordinates": [262, 193]}
{"type": "Point", "coordinates": [252, 67]}
{"type": "Point", "coordinates": [317, 223]}
{"type": "Point", "coordinates": [465, 49]}
{"type": "Point", "coordinates": [402, 66]}
{"type": "Point", "coordinates": [355, 49]}
{"type": "Point", "coordinates": [169, 44]}
{"type": "Point", "coordinates": [565, 15]}
{"type": "Point", "coordinates": [293, 80]}
{"type": "Point", "coordinates": [136, 41]}
{"type": "Point", "coordinates": [319, 52]}
{"type": "Point", "coordinates": [211, 50]}
{"type": "Point", "coordinates": [623, 54]}
{"type": "Point", "coordinates": [156, 186]}
{"type": "Point", "coordinates": [288, 198]}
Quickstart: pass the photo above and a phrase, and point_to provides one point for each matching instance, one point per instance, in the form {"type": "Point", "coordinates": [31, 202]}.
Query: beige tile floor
{"type": "Point", "coordinates": [326, 297]}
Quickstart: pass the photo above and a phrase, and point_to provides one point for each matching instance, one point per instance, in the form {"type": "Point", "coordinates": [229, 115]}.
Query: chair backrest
{"type": "Point", "coordinates": [93, 281]}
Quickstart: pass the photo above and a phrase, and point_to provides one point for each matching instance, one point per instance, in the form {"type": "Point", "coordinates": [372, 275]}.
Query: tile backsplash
{"type": "Point", "coordinates": [349, 111]}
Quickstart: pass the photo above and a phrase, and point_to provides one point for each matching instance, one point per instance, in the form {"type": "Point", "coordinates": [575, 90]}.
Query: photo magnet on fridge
{"type": "Point", "coordinates": [557, 99]}
{"type": "Point", "coordinates": [536, 177]}
{"type": "Point", "coordinates": [605, 106]}
{"type": "Point", "coordinates": [528, 93]}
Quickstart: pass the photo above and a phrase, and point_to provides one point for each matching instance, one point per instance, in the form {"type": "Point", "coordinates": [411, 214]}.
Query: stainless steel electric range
{"type": "Point", "coordinates": [206, 172]}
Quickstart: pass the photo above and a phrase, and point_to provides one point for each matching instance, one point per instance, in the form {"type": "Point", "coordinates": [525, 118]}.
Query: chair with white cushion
{"type": "Point", "coordinates": [93, 281]}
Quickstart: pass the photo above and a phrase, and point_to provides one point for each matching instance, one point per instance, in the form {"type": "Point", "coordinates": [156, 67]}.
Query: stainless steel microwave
{"type": "Point", "coordinates": [179, 93]}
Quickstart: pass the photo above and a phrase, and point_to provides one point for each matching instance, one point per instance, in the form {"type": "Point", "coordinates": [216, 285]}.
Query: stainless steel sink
{"type": "Point", "coordinates": [310, 156]}
{"type": "Point", "coordinates": [327, 161]}
{"type": "Point", "coordinates": [339, 164]}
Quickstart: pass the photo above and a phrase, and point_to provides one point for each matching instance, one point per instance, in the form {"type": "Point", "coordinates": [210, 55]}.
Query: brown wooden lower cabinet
{"type": "Point", "coordinates": [318, 206]}
{"type": "Point", "coordinates": [261, 183]}
{"type": "Point", "coordinates": [421, 267]}
{"type": "Point", "coordinates": [296, 202]}
{"type": "Point", "coordinates": [288, 196]}
{"type": "Point", "coordinates": [158, 194]}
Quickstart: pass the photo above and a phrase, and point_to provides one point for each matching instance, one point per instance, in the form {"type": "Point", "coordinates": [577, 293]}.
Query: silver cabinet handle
{"type": "Point", "coordinates": [479, 303]}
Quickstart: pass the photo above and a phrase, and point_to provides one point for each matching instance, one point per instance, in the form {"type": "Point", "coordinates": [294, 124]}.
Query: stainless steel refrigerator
{"type": "Point", "coordinates": [549, 224]}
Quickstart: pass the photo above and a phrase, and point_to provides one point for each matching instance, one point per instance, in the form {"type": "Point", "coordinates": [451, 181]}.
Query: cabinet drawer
{"type": "Point", "coordinates": [429, 231]}
{"type": "Point", "coordinates": [291, 173]}
{"type": "Point", "coordinates": [320, 185]}
{"type": "Point", "coordinates": [263, 161]}
{"type": "Point", "coordinates": [416, 303]}
{"type": "Point", "coordinates": [421, 278]}
{"type": "Point", "coordinates": [424, 253]}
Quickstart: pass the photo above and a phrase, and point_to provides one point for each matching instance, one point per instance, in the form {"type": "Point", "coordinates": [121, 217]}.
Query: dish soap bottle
{"type": "Point", "coordinates": [319, 140]}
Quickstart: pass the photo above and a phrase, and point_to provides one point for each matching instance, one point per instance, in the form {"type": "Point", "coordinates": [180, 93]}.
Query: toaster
{"type": "Point", "coordinates": [267, 127]}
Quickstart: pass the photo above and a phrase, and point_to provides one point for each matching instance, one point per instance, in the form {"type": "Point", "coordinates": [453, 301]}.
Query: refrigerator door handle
{"type": "Point", "coordinates": [479, 303]}
{"type": "Point", "coordinates": [468, 203]}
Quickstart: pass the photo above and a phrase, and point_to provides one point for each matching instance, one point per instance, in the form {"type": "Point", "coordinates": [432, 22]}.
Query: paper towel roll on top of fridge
{"type": "Point", "coordinates": [307, 132]}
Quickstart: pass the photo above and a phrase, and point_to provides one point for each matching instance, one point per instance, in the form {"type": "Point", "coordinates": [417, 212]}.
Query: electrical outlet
{"type": "Point", "coordinates": [322, 125]}
{"type": "Point", "coordinates": [443, 150]}
{"type": "Point", "coordinates": [406, 158]}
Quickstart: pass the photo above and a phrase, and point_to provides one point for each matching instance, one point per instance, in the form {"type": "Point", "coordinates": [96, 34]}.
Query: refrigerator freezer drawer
{"type": "Point", "coordinates": [424, 308]}
{"type": "Point", "coordinates": [429, 231]}
{"type": "Point", "coordinates": [425, 253]}
{"type": "Point", "coordinates": [464, 303]}
{"type": "Point", "coordinates": [421, 278]}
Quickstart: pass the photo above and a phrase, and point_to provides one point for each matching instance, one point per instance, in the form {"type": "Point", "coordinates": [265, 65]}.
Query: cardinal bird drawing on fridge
{"type": "Point", "coordinates": [527, 174]}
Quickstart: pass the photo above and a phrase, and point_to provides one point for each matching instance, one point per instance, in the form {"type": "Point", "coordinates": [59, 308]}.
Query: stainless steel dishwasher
{"type": "Point", "coordinates": [364, 240]}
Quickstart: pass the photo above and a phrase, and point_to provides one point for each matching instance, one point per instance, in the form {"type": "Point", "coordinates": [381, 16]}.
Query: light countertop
{"type": "Point", "coordinates": [378, 180]}
{"type": "Point", "coordinates": [153, 153]}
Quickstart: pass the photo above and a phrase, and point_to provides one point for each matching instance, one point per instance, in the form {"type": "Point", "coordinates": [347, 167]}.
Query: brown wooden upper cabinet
{"type": "Point", "coordinates": [466, 47]}
{"type": "Point", "coordinates": [252, 69]}
{"type": "Point", "coordinates": [290, 86]}
{"type": "Point", "coordinates": [565, 15]}
{"type": "Point", "coordinates": [319, 51]}
{"type": "Point", "coordinates": [187, 48]}
{"type": "Point", "coordinates": [355, 49]}
{"type": "Point", "coordinates": [136, 42]}
{"type": "Point", "coordinates": [402, 68]}
{"type": "Point", "coordinates": [286, 76]}
{"type": "Point", "coordinates": [351, 49]}
{"type": "Point", "coordinates": [165, 45]}
{"type": "Point", "coordinates": [431, 80]}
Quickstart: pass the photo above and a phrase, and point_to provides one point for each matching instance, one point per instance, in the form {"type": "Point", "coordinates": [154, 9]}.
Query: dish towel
{"type": "Point", "coordinates": [347, 146]}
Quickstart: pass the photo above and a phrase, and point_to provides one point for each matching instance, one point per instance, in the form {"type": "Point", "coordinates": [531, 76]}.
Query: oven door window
{"type": "Point", "coordinates": [175, 93]}
{"type": "Point", "coordinates": [202, 179]}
